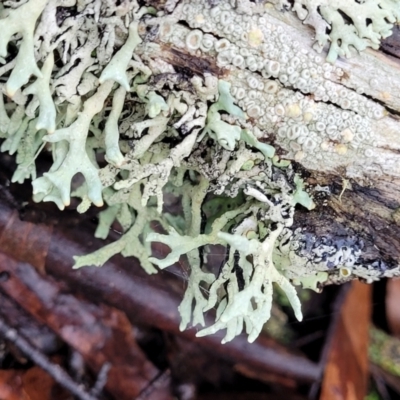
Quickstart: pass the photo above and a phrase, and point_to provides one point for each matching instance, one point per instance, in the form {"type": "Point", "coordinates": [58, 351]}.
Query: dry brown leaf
{"type": "Point", "coordinates": [392, 306]}
{"type": "Point", "coordinates": [346, 371]}
{"type": "Point", "coordinates": [31, 384]}
{"type": "Point", "coordinates": [11, 387]}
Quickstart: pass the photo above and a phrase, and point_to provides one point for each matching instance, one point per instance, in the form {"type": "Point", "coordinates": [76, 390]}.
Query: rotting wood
{"type": "Point", "coordinates": [31, 384]}
{"type": "Point", "coordinates": [391, 45]}
{"type": "Point", "coordinates": [43, 338]}
{"type": "Point", "coordinates": [368, 206]}
{"type": "Point", "coordinates": [367, 212]}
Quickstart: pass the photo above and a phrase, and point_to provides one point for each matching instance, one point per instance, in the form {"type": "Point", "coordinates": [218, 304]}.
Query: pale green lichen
{"type": "Point", "coordinates": [111, 139]}
{"type": "Point", "coordinates": [41, 89]}
{"type": "Point", "coordinates": [252, 304]}
{"type": "Point", "coordinates": [21, 20]}
{"type": "Point", "coordinates": [116, 68]}
{"type": "Point", "coordinates": [248, 283]}
{"type": "Point", "coordinates": [145, 137]}
{"type": "Point", "coordinates": [225, 134]}
{"type": "Point", "coordinates": [348, 23]}
{"type": "Point", "coordinates": [57, 183]}
{"type": "Point", "coordinates": [130, 243]}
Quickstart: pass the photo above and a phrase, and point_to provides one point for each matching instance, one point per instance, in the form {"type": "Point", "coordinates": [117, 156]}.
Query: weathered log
{"type": "Point", "coordinates": [361, 180]}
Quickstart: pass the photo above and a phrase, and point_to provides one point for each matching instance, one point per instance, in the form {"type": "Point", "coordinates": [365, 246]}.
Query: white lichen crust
{"type": "Point", "coordinates": [266, 65]}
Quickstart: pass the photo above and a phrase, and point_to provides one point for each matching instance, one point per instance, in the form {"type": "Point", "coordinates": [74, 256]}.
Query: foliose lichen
{"type": "Point", "coordinates": [143, 135]}
{"type": "Point", "coordinates": [345, 24]}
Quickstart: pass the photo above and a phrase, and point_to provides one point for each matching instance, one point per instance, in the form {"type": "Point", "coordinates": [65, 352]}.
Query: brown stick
{"type": "Point", "coordinates": [54, 370]}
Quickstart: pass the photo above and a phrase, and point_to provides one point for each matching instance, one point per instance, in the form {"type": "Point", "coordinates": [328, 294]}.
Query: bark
{"type": "Point", "coordinates": [100, 334]}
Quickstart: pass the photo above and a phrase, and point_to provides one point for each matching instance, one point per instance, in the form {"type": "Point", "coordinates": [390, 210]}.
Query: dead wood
{"type": "Point", "coordinates": [363, 201]}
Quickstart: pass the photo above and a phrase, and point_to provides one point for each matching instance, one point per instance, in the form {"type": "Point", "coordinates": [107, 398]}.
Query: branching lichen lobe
{"type": "Point", "coordinates": [121, 90]}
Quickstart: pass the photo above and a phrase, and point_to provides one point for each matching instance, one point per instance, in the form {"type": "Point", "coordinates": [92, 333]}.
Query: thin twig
{"type": "Point", "coordinates": [54, 370]}
{"type": "Point", "coordinates": [154, 384]}
{"type": "Point", "coordinates": [101, 380]}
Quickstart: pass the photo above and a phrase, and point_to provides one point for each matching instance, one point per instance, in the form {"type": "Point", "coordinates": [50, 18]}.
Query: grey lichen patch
{"type": "Point", "coordinates": [313, 261]}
